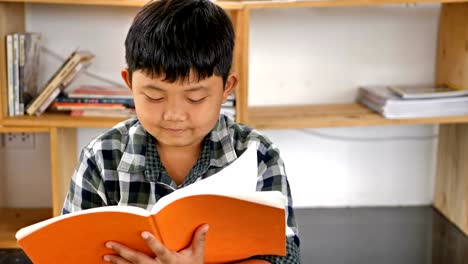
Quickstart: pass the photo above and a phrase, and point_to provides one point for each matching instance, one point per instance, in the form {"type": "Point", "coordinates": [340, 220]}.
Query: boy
{"type": "Point", "coordinates": [179, 56]}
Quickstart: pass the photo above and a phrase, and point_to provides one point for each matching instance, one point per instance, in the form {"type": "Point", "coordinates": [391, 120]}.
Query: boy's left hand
{"type": "Point", "coordinates": [193, 254]}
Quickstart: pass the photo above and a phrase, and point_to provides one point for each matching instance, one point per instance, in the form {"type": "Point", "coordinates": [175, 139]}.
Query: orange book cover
{"type": "Point", "coordinates": [242, 223]}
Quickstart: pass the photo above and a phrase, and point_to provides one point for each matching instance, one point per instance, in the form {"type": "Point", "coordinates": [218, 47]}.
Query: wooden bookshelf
{"type": "Point", "coordinates": [238, 5]}
{"type": "Point", "coordinates": [335, 3]}
{"type": "Point", "coordinates": [331, 115]}
{"type": "Point", "coordinates": [228, 5]}
{"type": "Point", "coordinates": [24, 129]}
{"type": "Point", "coordinates": [12, 219]}
{"type": "Point", "coordinates": [260, 117]}
{"type": "Point", "coordinates": [61, 120]}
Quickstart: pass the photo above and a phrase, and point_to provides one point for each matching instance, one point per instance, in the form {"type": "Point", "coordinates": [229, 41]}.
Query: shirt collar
{"type": "Point", "coordinates": [133, 157]}
{"type": "Point", "coordinates": [223, 151]}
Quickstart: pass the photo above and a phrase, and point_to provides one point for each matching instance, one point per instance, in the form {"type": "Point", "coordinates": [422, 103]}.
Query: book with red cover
{"type": "Point", "coordinates": [74, 106]}
{"type": "Point", "coordinates": [243, 223]}
{"type": "Point", "coordinates": [94, 91]}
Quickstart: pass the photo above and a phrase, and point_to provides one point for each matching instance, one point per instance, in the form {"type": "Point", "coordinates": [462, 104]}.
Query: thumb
{"type": "Point", "coordinates": [198, 242]}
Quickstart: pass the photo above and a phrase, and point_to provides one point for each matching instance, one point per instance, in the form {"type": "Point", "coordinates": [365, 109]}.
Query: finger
{"type": "Point", "coordinates": [115, 259]}
{"type": "Point", "coordinates": [198, 241]}
{"type": "Point", "coordinates": [127, 253]}
{"type": "Point", "coordinates": [161, 251]}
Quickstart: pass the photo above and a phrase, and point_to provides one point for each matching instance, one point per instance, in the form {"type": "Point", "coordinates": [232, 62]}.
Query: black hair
{"type": "Point", "coordinates": [170, 38]}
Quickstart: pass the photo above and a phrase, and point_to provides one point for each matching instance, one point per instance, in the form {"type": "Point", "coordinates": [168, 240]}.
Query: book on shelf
{"type": "Point", "coordinates": [243, 222]}
{"type": "Point", "coordinates": [30, 49]}
{"type": "Point", "coordinates": [125, 101]}
{"type": "Point", "coordinates": [95, 91]}
{"type": "Point", "coordinates": [127, 112]}
{"type": "Point", "coordinates": [386, 102]}
{"type": "Point", "coordinates": [23, 50]}
{"type": "Point", "coordinates": [63, 75]}
{"type": "Point", "coordinates": [426, 91]}
{"type": "Point", "coordinates": [10, 75]}
{"type": "Point", "coordinates": [81, 106]}
{"type": "Point", "coordinates": [16, 89]}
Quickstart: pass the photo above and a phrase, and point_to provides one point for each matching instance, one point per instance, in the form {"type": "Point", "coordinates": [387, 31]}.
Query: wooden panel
{"type": "Point", "coordinates": [24, 129]}
{"type": "Point", "coordinates": [236, 5]}
{"type": "Point", "coordinates": [452, 53]}
{"type": "Point", "coordinates": [241, 21]}
{"type": "Point", "coordinates": [63, 153]}
{"type": "Point", "coordinates": [265, 117]}
{"type": "Point", "coordinates": [12, 219]}
{"type": "Point", "coordinates": [130, 3]}
{"type": "Point", "coordinates": [11, 20]}
{"type": "Point", "coordinates": [62, 120]}
{"type": "Point", "coordinates": [334, 3]}
{"type": "Point", "coordinates": [331, 115]}
{"type": "Point", "coordinates": [451, 186]}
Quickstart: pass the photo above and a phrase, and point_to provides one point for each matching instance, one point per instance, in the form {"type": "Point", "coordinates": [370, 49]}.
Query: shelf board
{"type": "Point", "coordinates": [14, 219]}
{"type": "Point", "coordinates": [331, 115]}
{"type": "Point", "coordinates": [263, 117]}
{"type": "Point", "coordinates": [24, 129]}
{"type": "Point", "coordinates": [61, 120]}
{"type": "Point", "coordinates": [237, 5]}
{"type": "Point", "coordinates": [227, 5]}
{"type": "Point", "coordinates": [334, 3]}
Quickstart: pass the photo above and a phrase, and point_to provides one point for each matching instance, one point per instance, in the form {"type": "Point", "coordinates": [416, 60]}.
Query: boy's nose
{"type": "Point", "coordinates": [174, 112]}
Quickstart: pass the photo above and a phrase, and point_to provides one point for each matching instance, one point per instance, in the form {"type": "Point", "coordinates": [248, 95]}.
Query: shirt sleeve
{"type": "Point", "coordinates": [86, 186]}
{"type": "Point", "coordinates": [272, 177]}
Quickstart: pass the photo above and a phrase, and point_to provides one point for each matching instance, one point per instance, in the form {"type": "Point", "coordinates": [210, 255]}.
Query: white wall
{"type": "Point", "coordinates": [304, 56]}
{"type": "Point", "coordinates": [25, 175]}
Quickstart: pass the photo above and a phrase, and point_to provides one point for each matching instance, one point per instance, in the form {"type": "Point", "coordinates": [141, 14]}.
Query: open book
{"type": "Point", "coordinates": [242, 222]}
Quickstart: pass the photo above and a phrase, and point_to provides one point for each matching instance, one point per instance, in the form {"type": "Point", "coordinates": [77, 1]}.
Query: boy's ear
{"type": "Point", "coordinates": [126, 77]}
{"type": "Point", "coordinates": [231, 83]}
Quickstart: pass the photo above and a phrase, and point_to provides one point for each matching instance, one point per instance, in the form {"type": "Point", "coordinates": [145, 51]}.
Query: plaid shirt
{"type": "Point", "coordinates": [122, 167]}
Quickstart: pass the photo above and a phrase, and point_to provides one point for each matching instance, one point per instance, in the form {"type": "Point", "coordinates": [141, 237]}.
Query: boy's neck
{"type": "Point", "coordinates": [176, 150]}
{"type": "Point", "coordinates": [179, 161]}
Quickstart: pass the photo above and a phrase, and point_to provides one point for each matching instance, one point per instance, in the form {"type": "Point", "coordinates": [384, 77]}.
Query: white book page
{"type": "Point", "coordinates": [122, 209]}
{"type": "Point", "coordinates": [237, 179]}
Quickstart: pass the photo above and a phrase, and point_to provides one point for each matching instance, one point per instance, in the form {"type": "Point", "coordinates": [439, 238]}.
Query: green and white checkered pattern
{"type": "Point", "coordinates": [122, 167]}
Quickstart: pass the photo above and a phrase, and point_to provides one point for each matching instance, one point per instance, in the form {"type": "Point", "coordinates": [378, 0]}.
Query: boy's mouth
{"type": "Point", "coordinates": [176, 131]}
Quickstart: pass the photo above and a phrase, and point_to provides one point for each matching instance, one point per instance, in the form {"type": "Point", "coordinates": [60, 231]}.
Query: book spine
{"type": "Point", "coordinates": [31, 66]}
{"type": "Point", "coordinates": [11, 97]}
{"type": "Point", "coordinates": [72, 106]}
{"type": "Point", "coordinates": [53, 83]}
{"type": "Point", "coordinates": [21, 74]}
{"type": "Point", "coordinates": [91, 95]}
{"type": "Point", "coordinates": [127, 102]}
{"type": "Point", "coordinates": [48, 101]}
{"type": "Point", "coordinates": [16, 73]}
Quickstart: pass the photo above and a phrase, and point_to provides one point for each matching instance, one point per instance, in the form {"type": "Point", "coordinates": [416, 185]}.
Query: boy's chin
{"type": "Point", "coordinates": [176, 142]}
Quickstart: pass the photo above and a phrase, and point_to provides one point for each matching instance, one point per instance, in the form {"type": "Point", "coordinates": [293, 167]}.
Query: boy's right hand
{"type": "Point", "coordinates": [193, 254]}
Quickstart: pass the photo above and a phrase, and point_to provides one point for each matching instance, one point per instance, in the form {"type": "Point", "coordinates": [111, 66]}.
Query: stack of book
{"type": "Point", "coordinates": [66, 73]}
{"type": "Point", "coordinates": [23, 51]}
{"type": "Point", "coordinates": [92, 100]}
{"type": "Point", "coordinates": [229, 107]}
{"type": "Point", "coordinates": [414, 101]}
{"type": "Point", "coordinates": [104, 101]}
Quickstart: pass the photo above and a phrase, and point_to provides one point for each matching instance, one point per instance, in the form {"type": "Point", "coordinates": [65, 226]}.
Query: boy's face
{"type": "Point", "coordinates": [178, 114]}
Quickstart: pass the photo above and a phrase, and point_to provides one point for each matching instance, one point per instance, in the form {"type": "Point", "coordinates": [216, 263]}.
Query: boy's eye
{"type": "Point", "coordinates": [196, 100]}
{"type": "Point", "coordinates": [155, 100]}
